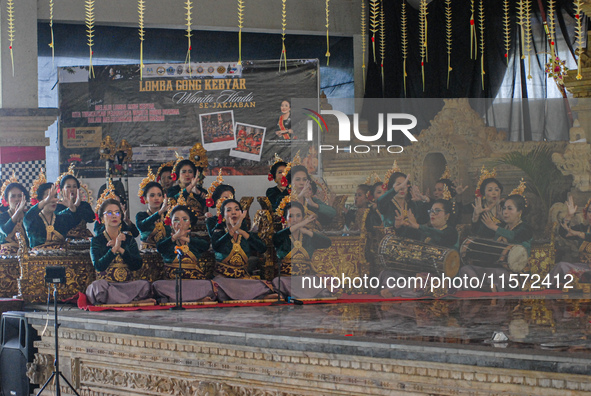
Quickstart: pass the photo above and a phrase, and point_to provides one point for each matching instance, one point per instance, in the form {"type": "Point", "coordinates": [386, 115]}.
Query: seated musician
{"type": "Point", "coordinates": [14, 198]}
{"type": "Point", "coordinates": [70, 186]}
{"type": "Point", "coordinates": [295, 245]}
{"type": "Point", "coordinates": [216, 191]}
{"type": "Point", "coordinates": [374, 217]}
{"type": "Point", "coordinates": [302, 192]}
{"type": "Point", "coordinates": [277, 193]}
{"type": "Point", "coordinates": [582, 234]}
{"type": "Point", "coordinates": [396, 201]}
{"type": "Point", "coordinates": [233, 245]}
{"type": "Point", "coordinates": [361, 202]}
{"type": "Point", "coordinates": [440, 232]}
{"type": "Point", "coordinates": [45, 228]}
{"type": "Point", "coordinates": [190, 179]}
{"type": "Point", "coordinates": [512, 230]}
{"type": "Point", "coordinates": [488, 201]}
{"type": "Point", "coordinates": [163, 175]}
{"type": "Point", "coordinates": [151, 222]}
{"type": "Point", "coordinates": [116, 192]}
{"type": "Point", "coordinates": [115, 255]}
{"type": "Point", "coordinates": [181, 245]}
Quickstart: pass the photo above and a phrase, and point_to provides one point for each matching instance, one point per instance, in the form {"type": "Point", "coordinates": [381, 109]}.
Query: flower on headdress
{"type": "Point", "coordinates": [59, 189]}
{"type": "Point", "coordinates": [4, 203]}
{"type": "Point", "coordinates": [34, 201]}
{"type": "Point", "coordinates": [220, 218]}
{"type": "Point", "coordinates": [270, 177]}
{"type": "Point", "coordinates": [167, 221]}
{"type": "Point", "coordinates": [143, 200]}
{"type": "Point", "coordinates": [284, 182]}
{"type": "Point", "coordinates": [97, 218]}
{"type": "Point", "coordinates": [209, 202]}
{"type": "Point", "coordinates": [158, 179]}
{"type": "Point", "coordinates": [173, 176]}
{"type": "Point", "coordinates": [282, 219]}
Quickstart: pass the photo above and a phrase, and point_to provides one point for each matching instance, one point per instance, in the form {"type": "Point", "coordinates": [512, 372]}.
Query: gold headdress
{"type": "Point", "coordinates": [484, 174]}
{"type": "Point", "coordinates": [218, 206]}
{"type": "Point", "coordinates": [179, 158]}
{"type": "Point", "coordinates": [164, 165]}
{"type": "Point", "coordinates": [198, 155]}
{"type": "Point", "coordinates": [69, 172]}
{"type": "Point", "coordinates": [294, 162]}
{"type": "Point", "coordinates": [41, 179]}
{"type": "Point", "coordinates": [446, 174]}
{"type": "Point", "coordinates": [219, 180]}
{"type": "Point", "coordinates": [11, 179]}
{"type": "Point", "coordinates": [395, 168]}
{"type": "Point", "coordinates": [144, 183]}
{"type": "Point", "coordinates": [520, 190]}
{"type": "Point", "coordinates": [276, 159]}
{"type": "Point", "coordinates": [376, 178]}
{"type": "Point", "coordinates": [587, 207]}
{"type": "Point", "coordinates": [446, 192]}
{"type": "Point", "coordinates": [281, 208]}
{"type": "Point", "coordinates": [108, 193]}
{"type": "Point", "coordinates": [180, 202]}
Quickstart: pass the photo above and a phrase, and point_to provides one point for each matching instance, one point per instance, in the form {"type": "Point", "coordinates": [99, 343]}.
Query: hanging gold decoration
{"type": "Point", "coordinates": [448, 37]}
{"type": "Point", "coordinates": [481, 26]}
{"type": "Point", "coordinates": [528, 36]}
{"type": "Point", "coordinates": [374, 24]}
{"type": "Point", "coordinates": [579, 35]}
{"type": "Point", "coordinates": [51, 28]}
{"type": "Point", "coordinates": [473, 43]}
{"type": "Point", "coordinates": [327, 40]}
{"type": "Point", "coordinates": [521, 22]}
{"type": "Point", "coordinates": [283, 56]}
{"type": "Point", "coordinates": [404, 39]}
{"type": "Point", "coordinates": [507, 29]}
{"type": "Point", "coordinates": [555, 67]}
{"type": "Point", "coordinates": [141, 8]}
{"type": "Point", "coordinates": [10, 12]}
{"type": "Point", "coordinates": [90, 32]}
{"type": "Point", "coordinates": [240, 26]}
{"type": "Point", "coordinates": [423, 37]}
{"type": "Point", "coordinates": [382, 46]}
{"type": "Point", "coordinates": [550, 27]}
{"type": "Point", "coordinates": [363, 40]}
{"type": "Point", "coordinates": [188, 7]}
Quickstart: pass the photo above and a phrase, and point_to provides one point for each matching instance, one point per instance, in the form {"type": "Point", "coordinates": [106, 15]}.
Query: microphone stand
{"type": "Point", "coordinates": [279, 287]}
{"type": "Point", "coordinates": [179, 283]}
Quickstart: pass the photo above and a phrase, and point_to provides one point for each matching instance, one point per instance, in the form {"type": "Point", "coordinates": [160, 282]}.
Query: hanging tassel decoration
{"type": "Point", "coordinates": [521, 22]}
{"type": "Point", "coordinates": [528, 36]}
{"type": "Point", "coordinates": [579, 35]}
{"type": "Point", "coordinates": [141, 8]}
{"type": "Point", "coordinates": [550, 28]}
{"type": "Point", "coordinates": [374, 24]}
{"type": "Point", "coordinates": [425, 13]}
{"type": "Point", "coordinates": [90, 32]}
{"type": "Point", "coordinates": [363, 40]}
{"type": "Point", "coordinates": [51, 29]}
{"type": "Point", "coordinates": [404, 39]}
{"type": "Point", "coordinates": [481, 22]}
{"type": "Point", "coordinates": [473, 38]}
{"type": "Point", "coordinates": [507, 29]}
{"type": "Point", "coordinates": [382, 47]}
{"type": "Point", "coordinates": [327, 40]}
{"type": "Point", "coordinates": [448, 37]}
{"type": "Point", "coordinates": [10, 12]}
{"type": "Point", "coordinates": [422, 38]}
{"type": "Point", "coordinates": [283, 56]}
{"type": "Point", "coordinates": [240, 26]}
{"type": "Point", "coordinates": [555, 68]}
{"type": "Point", "coordinates": [188, 15]}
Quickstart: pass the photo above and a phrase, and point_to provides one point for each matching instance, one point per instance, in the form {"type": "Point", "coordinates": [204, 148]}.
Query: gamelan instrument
{"type": "Point", "coordinates": [490, 253]}
{"type": "Point", "coordinates": [411, 257]}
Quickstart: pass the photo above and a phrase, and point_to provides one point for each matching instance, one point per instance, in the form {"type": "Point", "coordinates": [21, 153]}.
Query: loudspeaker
{"type": "Point", "coordinates": [16, 349]}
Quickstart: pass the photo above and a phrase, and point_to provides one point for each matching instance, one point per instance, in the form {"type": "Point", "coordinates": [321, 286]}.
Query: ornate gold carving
{"type": "Point", "coordinates": [125, 147]}
{"type": "Point", "coordinates": [338, 222]}
{"type": "Point", "coordinates": [39, 371]}
{"type": "Point", "coordinates": [265, 203]}
{"type": "Point", "coordinates": [9, 274]}
{"type": "Point", "coordinates": [108, 149]}
{"type": "Point", "coordinates": [576, 161]}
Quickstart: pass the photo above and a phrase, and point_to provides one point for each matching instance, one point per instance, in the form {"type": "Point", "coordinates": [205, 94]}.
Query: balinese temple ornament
{"type": "Point", "coordinates": [507, 29]}
{"type": "Point", "coordinates": [448, 37]}
{"type": "Point", "coordinates": [481, 26]}
{"type": "Point", "coordinates": [423, 37]}
{"type": "Point", "coordinates": [579, 34]}
{"type": "Point", "coordinates": [374, 24]}
{"type": "Point", "coordinates": [382, 47]}
{"type": "Point", "coordinates": [528, 36]}
{"type": "Point", "coordinates": [522, 23]}
{"type": "Point", "coordinates": [363, 40]}
{"type": "Point", "coordinates": [188, 7]}
{"type": "Point", "coordinates": [550, 28]}
{"type": "Point", "coordinates": [89, 6]}
{"type": "Point", "coordinates": [327, 38]}
{"type": "Point", "coordinates": [51, 45]}
{"type": "Point", "coordinates": [473, 44]}
{"type": "Point", "coordinates": [555, 68]}
{"type": "Point", "coordinates": [283, 57]}
{"type": "Point", "coordinates": [404, 44]}
{"type": "Point", "coordinates": [10, 28]}
{"type": "Point", "coordinates": [240, 26]}
{"type": "Point", "coordinates": [141, 6]}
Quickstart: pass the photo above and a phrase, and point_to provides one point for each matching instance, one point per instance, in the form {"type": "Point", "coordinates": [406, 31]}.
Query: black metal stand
{"type": "Point", "coordinates": [179, 284]}
{"type": "Point", "coordinates": [279, 287]}
{"type": "Point", "coordinates": [56, 363]}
